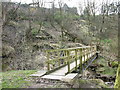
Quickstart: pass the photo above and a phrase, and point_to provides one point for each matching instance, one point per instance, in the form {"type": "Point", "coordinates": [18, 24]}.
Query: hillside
{"type": "Point", "coordinates": [28, 30]}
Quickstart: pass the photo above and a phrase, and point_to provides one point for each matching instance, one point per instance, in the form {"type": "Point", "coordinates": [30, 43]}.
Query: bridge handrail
{"type": "Point", "coordinates": [79, 52]}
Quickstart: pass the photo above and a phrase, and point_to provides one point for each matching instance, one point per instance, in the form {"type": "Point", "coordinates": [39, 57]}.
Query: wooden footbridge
{"type": "Point", "coordinates": [61, 62]}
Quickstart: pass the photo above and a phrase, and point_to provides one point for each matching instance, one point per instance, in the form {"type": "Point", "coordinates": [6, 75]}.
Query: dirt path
{"type": "Point", "coordinates": [42, 83]}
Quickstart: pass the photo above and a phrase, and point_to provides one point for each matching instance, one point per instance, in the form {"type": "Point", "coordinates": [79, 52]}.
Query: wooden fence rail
{"type": "Point", "coordinates": [61, 57]}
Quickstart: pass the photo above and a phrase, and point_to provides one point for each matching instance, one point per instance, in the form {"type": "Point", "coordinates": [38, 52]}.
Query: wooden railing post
{"type": "Point", "coordinates": [58, 58]}
{"type": "Point", "coordinates": [68, 60]}
{"type": "Point", "coordinates": [87, 53]}
{"type": "Point", "coordinates": [95, 49]}
{"type": "Point", "coordinates": [81, 54]}
{"type": "Point", "coordinates": [65, 55]}
{"type": "Point", "coordinates": [48, 64]}
{"type": "Point", "coordinates": [90, 51]}
{"type": "Point", "coordinates": [84, 54]}
{"type": "Point", "coordinates": [76, 59]}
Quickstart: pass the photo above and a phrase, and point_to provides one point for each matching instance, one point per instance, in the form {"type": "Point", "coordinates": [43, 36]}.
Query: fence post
{"type": "Point", "coordinates": [68, 61]}
{"type": "Point", "coordinates": [48, 65]}
{"type": "Point", "coordinates": [76, 59]}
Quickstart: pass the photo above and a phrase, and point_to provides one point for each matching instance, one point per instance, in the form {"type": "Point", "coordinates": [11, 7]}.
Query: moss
{"type": "Point", "coordinates": [103, 67]}
{"type": "Point", "coordinates": [114, 64]}
{"type": "Point", "coordinates": [117, 81]}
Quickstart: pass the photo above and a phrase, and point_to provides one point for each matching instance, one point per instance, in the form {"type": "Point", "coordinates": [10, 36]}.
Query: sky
{"type": "Point", "coordinates": [70, 3]}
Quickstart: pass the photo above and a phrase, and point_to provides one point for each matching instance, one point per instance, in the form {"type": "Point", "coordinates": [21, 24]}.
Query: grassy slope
{"type": "Point", "coordinates": [16, 79]}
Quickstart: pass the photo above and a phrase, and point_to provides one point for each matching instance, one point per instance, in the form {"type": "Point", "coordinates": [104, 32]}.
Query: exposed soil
{"type": "Point", "coordinates": [45, 83]}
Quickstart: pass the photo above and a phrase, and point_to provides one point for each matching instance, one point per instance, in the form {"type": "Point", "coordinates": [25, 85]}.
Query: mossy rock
{"type": "Point", "coordinates": [89, 83]}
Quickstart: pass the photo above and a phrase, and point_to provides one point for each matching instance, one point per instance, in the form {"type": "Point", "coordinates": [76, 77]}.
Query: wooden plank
{"type": "Point", "coordinates": [39, 73]}
{"type": "Point", "coordinates": [66, 78]}
{"type": "Point", "coordinates": [54, 77]}
{"type": "Point", "coordinates": [57, 59]}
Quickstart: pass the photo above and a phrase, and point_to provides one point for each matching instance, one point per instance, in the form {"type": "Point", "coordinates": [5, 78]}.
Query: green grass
{"type": "Point", "coordinates": [16, 79]}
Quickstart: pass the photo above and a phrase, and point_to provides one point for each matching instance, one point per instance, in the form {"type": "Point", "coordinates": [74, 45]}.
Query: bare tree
{"type": "Point", "coordinates": [8, 13]}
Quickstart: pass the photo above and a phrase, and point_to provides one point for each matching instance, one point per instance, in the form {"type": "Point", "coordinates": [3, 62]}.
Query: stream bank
{"type": "Point", "coordinates": [101, 70]}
